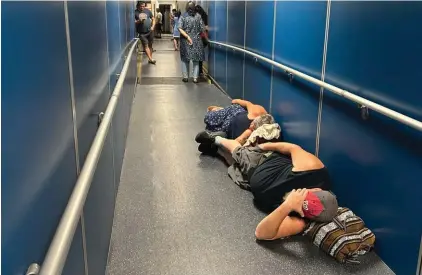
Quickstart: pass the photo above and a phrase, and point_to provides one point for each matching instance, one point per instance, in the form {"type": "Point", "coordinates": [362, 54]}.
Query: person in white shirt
{"type": "Point", "coordinates": [158, 23]}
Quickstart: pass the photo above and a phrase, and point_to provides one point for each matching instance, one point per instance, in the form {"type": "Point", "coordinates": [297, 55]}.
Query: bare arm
{"type": "Point", "coordinates": [253, 109]}
{"type": "Point", "coordinates": [302, 160]}
{"type": "Point", "coordinates": [182, 32]}
{"type": "Point", "coordinates": [241, 102]}
{"type": "Point", "coordinates": [152, 23]}
{"type": "Point", "coordinates": [244, 136]}
{"type": "Point", "coordinates": [278, 224]}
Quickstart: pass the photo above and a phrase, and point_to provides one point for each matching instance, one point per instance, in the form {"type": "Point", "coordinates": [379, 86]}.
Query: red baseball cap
{"type": "Point", "coordinates": [320, 206]}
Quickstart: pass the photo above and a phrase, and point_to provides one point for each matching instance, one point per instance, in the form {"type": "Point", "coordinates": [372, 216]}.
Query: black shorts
{"type": "Point", "coordinates": [146, 38]}
{"type": "Point", "coordinates": [158, 27]}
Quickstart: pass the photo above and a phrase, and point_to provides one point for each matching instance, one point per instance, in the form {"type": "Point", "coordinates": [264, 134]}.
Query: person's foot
{"type": "Point", "coordinates": [185, 79]}
{"type": "Point", "coordinates": [208, 149]}
{"type": "Point", "coordinates": [152, 61]}
{"type": "Point", "coordinates": [208, 137]}
{"type": "Point", "coordinates": [195, 80]}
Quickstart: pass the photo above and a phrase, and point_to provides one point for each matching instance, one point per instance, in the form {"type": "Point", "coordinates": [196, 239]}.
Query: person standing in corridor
{"type": "Point", "coordinates": [191, 46]}
{"type": "Point", "coordinates": [159, 22]}
{"type": "Point", "coordinates": [204, 17]}
{"type": "Point", "coordinates": [175, 31]}
{"type": "Point", "coordinates": [145, 27]}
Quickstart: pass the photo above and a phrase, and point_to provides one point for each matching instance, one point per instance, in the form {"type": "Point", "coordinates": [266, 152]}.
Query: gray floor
{"type": "Point", "coordinates": [177, 212]}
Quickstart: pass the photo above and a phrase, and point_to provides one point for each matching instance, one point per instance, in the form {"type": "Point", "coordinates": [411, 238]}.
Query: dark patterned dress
{"type": "Point", "coordinates": [193, 26]}
{"type": "Point", "coordinates": [219, 121]}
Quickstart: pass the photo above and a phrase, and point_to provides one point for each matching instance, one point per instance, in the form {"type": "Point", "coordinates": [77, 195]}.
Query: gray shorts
{"type": "Point", "coordinates": [246, 160]}
{"type": "Point", "coordinates": [146, 38]}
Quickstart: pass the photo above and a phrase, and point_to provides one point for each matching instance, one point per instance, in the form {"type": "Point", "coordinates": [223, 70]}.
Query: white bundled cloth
{"type": "Point", "coordinates": [266, 131]}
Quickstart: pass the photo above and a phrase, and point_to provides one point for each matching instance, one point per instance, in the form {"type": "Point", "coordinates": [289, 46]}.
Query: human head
{"type": "Point", "coordinates": [199, 9]}
{"type": "Point", "coordinates": [173, 11]}
{"type": "Point", "coordinates": [320, 205]}
{"type": "Point", "coordinates": [261, 120]}
{"type": "Point", "coordinates": [157, 10]}
{"type": "Point", "coordinates": [214, 108]}
{"type": "Point", "coordinates": [140, 5]}
{"type": "Point", "coordinates": [190, 8]}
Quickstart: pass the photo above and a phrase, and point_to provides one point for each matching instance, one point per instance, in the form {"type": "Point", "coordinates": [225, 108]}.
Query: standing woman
{"type": "Point", "coordinates": [204, 17]}
{"type": "Point", "coordinates": [191, 46]}
{"type": "Point", "coordinates": [175, 31]}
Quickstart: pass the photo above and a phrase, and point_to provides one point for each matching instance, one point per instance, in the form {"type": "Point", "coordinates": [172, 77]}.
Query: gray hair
{"type": "Point", "coordinates": [261, 120]}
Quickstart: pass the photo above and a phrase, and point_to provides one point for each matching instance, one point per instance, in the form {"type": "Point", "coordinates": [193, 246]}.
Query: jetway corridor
{"type": "Point", "coordinates": [101, 173]}
{"type": "Point", "coordinates": [177, 211]}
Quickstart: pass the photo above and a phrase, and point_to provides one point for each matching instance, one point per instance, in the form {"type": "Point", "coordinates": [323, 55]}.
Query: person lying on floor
{"type": "Point", "coordinates": [293, 186]}
{"type": "Point", "coordinates": [343, 236]}
{"type": "Point", "coordinates": [271, 170]}
{"type": "Point", "coordinates": [296, 211]}
{"type": "Point", "coordinates": [262, 129]}
{"type": "Point", "coordinates": [237, 121]}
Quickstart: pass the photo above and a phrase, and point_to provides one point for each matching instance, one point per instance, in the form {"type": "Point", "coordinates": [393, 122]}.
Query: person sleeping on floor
{"type": "Point", "coordinates": [238, 121]}
{"type": "Point", "coordinates": [293, 186]}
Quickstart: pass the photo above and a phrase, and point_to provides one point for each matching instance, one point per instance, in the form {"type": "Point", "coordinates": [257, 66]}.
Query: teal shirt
{"type": "Point", "coordinates": [146, 20]}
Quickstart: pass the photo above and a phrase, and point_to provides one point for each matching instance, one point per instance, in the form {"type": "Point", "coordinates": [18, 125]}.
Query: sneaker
{"type": "Point", "coordinates": [208, 149]}
{"type": "Point", "coordinates": [208, 137]}
{"type": "Point", "coordinates": [152, 61]}
{"type": "Point", "coordinates": [195, 80]}
{"type": "Point", "coordinates": [185, 79]}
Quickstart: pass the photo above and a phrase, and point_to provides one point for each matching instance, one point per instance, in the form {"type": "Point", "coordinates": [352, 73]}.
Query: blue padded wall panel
{"type": "Point", "coordinates": [91, 81]}
{"type": "Point", "coordinates": [376, 163]}
{"type": "Point", "coordinates": [380, 49]}
{"type": "Point", "coordinates": [259, 37]}
{"type": "Point", "coordinates": [99, 210]}
{"type": "Point", "coordinates": [119, 141]}
{"type": "Point", "coordinates": [221, 36]}
{"type": "Point", "coordinates": [113, 38]}
{"type": "Point", "coordinates": [259, 32]}
{"type": "Point", "coordinates": [131, 16]}
{"type": "Point", "coordinates": [235, 36]}
{"type": "Point", "coordinates": [123, 33]}
{"type": "Point", "coordinates": [257, 82]}
{"type": "Point", "coordinates": [90, 67]}
{"type": "Point", "coordinates": [299, 43]}
{"type": "Point", "coordinates": [38, 154]}
{"type": "Point", "coordinates": [212, 36]}
{"type": "Point", "coordinates": [75, 263]}
{"type": "Point", "coordinates": [121, 118]}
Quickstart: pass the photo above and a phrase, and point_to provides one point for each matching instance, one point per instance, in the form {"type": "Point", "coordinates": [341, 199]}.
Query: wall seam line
{"type": "Point", "coordinates": [244, 55]}
{"type": "Point", "coordinates": [272, 56]}
{"type": "Point", "coordinates": [75, 125]}
{"type": "Point", "coordinates": [110, 91]}
{"type": "Point", "coordinates": [215, 33]}
{"type": "Point", "coordinates": [227, 35]}
{"type": "Point", "coordinates": [321, 93]}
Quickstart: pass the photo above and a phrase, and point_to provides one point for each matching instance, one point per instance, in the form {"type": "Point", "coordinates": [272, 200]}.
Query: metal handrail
{"type": "Point", "coordinates": [59, 248]}
{"type": "Point", "coordinates": [360, 100]}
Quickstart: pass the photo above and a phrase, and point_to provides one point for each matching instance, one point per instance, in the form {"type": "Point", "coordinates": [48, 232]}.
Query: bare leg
{"type": "Point", "coordinates": [228, 144]}
{"type": "Point", "coordinates": [148, 52]}
{"type": "Point", "coordinates": [175, 43]}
